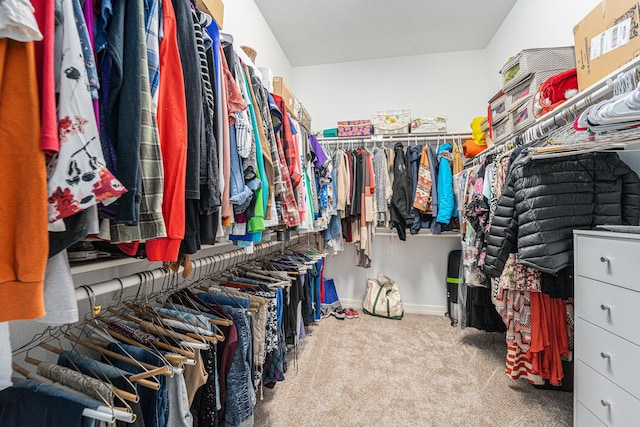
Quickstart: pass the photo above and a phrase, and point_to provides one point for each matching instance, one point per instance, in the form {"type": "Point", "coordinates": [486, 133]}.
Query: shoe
{"type": "Point", "coordinates": [324, 312]}
{"type": "Point", "coordinates": [339, 313]}
{"type": "Point", "coordinates": [351, 313]}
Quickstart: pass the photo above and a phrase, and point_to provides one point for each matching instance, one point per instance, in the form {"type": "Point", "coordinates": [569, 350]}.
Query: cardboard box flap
{"type": "Point", "coordinates": [280, 88]}
{"type": "Point", "coordinates": [215, 8]}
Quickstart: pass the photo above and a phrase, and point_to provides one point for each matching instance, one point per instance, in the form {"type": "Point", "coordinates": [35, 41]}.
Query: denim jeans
{"type": "Point", "coordinates": [240, 194]}
{"type": "Point", "coordinates": [213, 298]}
{"type": "Point", "coordinates": [241, 397]}
{"type": "Point", "coordinates": [153, 403]}
{"type": "Point", "coordinates": [105, 372]}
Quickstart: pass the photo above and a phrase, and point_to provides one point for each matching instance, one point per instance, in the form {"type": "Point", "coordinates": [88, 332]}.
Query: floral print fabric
{"type": "Point", "coordinates": [77, 175]}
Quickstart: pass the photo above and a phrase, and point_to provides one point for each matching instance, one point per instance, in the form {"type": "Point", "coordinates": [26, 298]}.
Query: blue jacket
{"type": "Point", "coordinates": [447, 206]}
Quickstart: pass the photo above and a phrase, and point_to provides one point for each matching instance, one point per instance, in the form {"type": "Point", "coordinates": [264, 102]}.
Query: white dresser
{"type": "Point", "coordinates": [607, 330]}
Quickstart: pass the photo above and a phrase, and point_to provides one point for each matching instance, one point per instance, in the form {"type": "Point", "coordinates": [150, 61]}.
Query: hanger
{"type": "Point", "coordinates": [218, 321]}
{"type": "Point", "coordinates": [173, 359]}
{"type": "Point", "coordinates": [120, 393]}
{"type": "Point", "coordinates": [143, 382]}
{"type": "Point", "coordinates": [212, 339]}
{"type": "Point", "coordinates": [219, 333]}
{"type": "Point", "coordinates": [107, 413]}
{"type": "Point", "coordinates": [159, 344]}
{"type": "Point", "coordinates": [187, 298]}
{"type": "Point", "coordinates": [235, 299]}
{"type": "Point", "coordinates": [157, 330]}
{"type": "Point", "coordinates": [145, 307]}
{"type": "Point", "coordinates": [169, 360]}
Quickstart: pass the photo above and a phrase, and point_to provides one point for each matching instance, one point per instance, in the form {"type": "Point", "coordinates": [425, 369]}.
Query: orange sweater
{"type": "Point", "coordinates": [24, 244]}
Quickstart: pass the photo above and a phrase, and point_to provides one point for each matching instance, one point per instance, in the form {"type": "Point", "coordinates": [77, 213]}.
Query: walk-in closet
{"type": "Point", "coordinates": [298, 213]}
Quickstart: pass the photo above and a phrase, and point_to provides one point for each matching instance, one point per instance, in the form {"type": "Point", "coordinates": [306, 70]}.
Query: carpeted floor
{"type": "Point", "coordinates": [418, 371]}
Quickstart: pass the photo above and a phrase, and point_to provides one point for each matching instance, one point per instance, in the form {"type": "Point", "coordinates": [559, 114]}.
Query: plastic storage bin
{"type": "Point", "coordinates": [531, 60]}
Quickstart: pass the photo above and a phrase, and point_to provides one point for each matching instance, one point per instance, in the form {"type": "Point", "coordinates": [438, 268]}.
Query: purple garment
{"type": "Point", "coordinates": [89, 18]}
{"type": "Point", "coordinates": [321, 159]}
{"type": "Point", "coordinates": [303, 334]}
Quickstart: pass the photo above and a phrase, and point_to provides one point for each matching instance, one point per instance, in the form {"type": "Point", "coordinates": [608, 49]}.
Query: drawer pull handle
{"type": "Point", "coordinates": [604, 307]}
{"type": "Point", "coordinates": [605, 355]}
{"type": "Point", "coordinates": [605, 403]}
{"type": "Point", "coordinates": [605, 259]}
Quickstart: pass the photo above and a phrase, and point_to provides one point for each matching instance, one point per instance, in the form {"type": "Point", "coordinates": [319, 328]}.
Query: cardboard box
{"type": "Point", "coordinates": [215, 8]}
{"type": "Point", "coordinates": [354, 128]}
{"type": "Point", "coordinates": [281, 89]}
{"type": "Point", "coordinates": [606, 39]}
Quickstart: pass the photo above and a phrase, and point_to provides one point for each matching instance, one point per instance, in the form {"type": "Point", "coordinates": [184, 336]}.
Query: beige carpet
{"type": "Point", "coordinates": [418, 371]}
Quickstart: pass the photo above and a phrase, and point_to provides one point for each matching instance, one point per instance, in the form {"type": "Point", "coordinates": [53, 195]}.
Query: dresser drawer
{"type": "Point", "coordinates": [610, 307]}
{"type": "Point", "coordinates": [609, 260]}
{"type": "Point", "coordinates": [610, 355]}
{"type": "Point", "coordinates": [584, 418]}
{"type": "Point", "coordinates": [607, 401]}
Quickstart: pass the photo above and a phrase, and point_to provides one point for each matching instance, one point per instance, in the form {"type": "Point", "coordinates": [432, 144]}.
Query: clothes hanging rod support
{"type": "Point", "coordinates": [395, 138]}
{"type": "Point", "coordinates": [227, 260]}
{"type": "Point", "coordinates": [574, 106]}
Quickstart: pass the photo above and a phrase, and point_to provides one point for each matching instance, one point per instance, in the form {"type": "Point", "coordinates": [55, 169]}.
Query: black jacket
{"type": "Point", "coordinates": [544, 200]}
{"type": "Point", "coordinates": [402, 198]}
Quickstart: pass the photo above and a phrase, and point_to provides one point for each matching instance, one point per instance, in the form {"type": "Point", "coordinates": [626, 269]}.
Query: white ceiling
{"type": "Point", "coordinates": [313, 32]}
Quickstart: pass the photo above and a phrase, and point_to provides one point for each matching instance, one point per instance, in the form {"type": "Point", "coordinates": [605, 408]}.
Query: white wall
{"type": "Point", "coordinates": [243, 20]}
{"type": "Point", "coordinates": [453, 84]}
{"type": "Point", "coordinates": [450, 84]}
{"type": "Point", "coordinates": [531, 24]}
{"type": "Point", "coordinates": [418, 265]}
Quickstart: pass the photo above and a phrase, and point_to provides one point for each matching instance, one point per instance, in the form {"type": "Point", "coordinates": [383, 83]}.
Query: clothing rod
{"type": "Point", "coordinates": [394, 138]}
{"type": "Point", "coordinates": [548, 124]}
{"type": "Point", "coordinates": [576, 104]}
{"type": "Point", "coordinates": [217, 263]}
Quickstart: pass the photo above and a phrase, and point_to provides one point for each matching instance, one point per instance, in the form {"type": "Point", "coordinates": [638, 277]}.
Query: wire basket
{"type": "Point", "coordinates": [251, 53]}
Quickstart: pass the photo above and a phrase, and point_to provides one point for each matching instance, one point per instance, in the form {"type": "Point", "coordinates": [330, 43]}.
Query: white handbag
{"type": "Point", "coordinates": [382, 298]}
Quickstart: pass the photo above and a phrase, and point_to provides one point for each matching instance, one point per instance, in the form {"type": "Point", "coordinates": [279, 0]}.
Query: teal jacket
{"type": "Point", "coordinates": [447, 205]}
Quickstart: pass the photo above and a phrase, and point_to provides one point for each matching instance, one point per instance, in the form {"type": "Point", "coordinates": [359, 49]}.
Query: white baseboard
{"type": "Point", "coordinates": [408, 308]}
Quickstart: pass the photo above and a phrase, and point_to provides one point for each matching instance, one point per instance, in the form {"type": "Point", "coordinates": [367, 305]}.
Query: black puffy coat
{"type": "Point", "coordinates": [402, 198]}
{"type": "Point", "coordinates": [544, 200]}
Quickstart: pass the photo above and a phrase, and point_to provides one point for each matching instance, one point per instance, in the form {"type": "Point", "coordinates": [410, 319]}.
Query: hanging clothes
{"type": "Point", "coordinates": [575, 184]}
{"type": "Point", "coordinates": [173, 133]}
{"type": "Point", "coordinates": [21, 283]}
{"type": "Point", "coordinates": [148, 222]}
{"type": "Point", "coordinates": [77, 176]}
{"type": "Point", "coordinates": [447, 206]}
{"type": "Point", "coordinates": [401, 201]}
{"type": "Point", "coordinates": [383, 190]}
{"type": "Point", "coordinates": [45, 67]}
